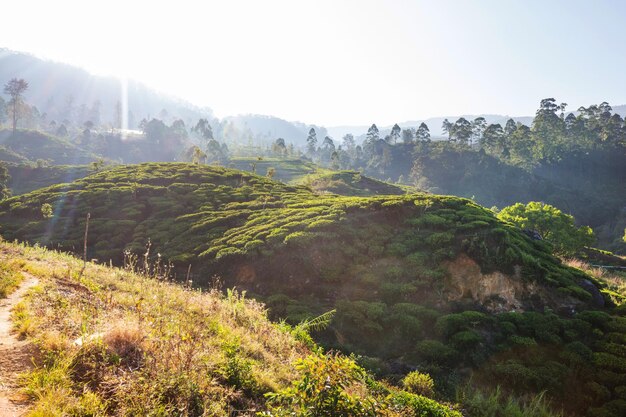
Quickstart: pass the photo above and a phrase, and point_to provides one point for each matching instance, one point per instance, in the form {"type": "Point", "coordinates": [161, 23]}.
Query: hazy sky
{"type": "Point", "coordinates": [341, 61]}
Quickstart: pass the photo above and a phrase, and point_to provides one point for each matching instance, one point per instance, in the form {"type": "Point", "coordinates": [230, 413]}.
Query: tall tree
{"type": "Point", "coordinates": [462, 131]}
{"type": "Point", "coordinates": [4, 179]}
{"type": "Point", "coordinates": [478, 127]}
{"type": "Point", "coordinates": [311, 142]}
{"type": "Point", "coordinates": [15, 88]}
{"type": "Point", "coordinates": [408, 135]}
{"type": "Point", "coordinates": [328, 144]}
{"type": "Point", "coordinates": [348, 142]}
{"type": "Point", "coordinates": [371, 139]}
{"type": "Point", "coordinates": [395, 133]}
{"type": "Point", "coordinates": [203, 128]}
{"type": "Point", "coordinates": [548, 131]}
{"type": "Point", "coordinates": [423, 133]}
{"type": "Point", "coordinates": [3, 111]}
{"type": "Point", "coordinates": [446, 126]}
{"type": "Point", "coordinates": [279, 147]}
{"type": "Point", "coordinates": [509, 127]}
{"type": "Point", "coordinates": [492, 139]}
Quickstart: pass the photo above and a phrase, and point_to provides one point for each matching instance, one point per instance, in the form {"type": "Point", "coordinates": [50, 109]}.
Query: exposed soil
{"type": "Point", "coordinates": [15, 355]}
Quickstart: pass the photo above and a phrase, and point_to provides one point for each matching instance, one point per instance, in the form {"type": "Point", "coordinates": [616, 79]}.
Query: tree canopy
{"type": "Point", "coordinates": [552, 224]}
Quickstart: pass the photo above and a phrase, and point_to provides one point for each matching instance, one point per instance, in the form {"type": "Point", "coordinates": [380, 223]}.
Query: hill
{"type": "Point", "coordinates": [289, 171]}
{"type": "Point", "coordinates": [150, 347]}
{"type": "Point", "coordinates": [418, 281]}
{"type": "Point", "coordinates": [351, 183]}
{"type": "Point", "coordinates": [66, 92]}
{"type": "Point", "coordinates": [31, 145]}
{"type": "Point", "coordinates": [266, 129]}
{"type": "Point", "coordinates": [27, 178]}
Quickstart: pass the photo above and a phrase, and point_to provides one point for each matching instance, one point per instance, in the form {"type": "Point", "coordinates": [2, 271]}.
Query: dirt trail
{"type": "Point", "coordinates": [15, 355]}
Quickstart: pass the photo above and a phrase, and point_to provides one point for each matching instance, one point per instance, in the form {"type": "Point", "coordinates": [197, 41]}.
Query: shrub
{"type": "Point", "coordinates": [419, 383]}
{"type": "Point", "coordinates": [325, 388]}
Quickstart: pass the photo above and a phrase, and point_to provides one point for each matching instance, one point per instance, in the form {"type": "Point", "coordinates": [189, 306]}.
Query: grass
{"type": "Point", "coordinates": [10, 276]}
{"type": "Point", "coordinates": [112, 342]}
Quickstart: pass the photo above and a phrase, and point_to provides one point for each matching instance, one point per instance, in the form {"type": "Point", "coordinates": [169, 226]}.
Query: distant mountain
{"type": "Point", "coordinates": [267, 129]}
{"type": "Point", "coordinates": [621, 110]}
{"type": "Point", "coordinates": [66, 92]}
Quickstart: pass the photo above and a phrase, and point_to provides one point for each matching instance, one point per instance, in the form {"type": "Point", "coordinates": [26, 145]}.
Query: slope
{"type": "Point", "coordinates": [418, 280]}
{"type": "Point", "coordinates": [53, 85]}
{"type": "Point", "coordinates": [31, 145]}
{"type": "Point", "coordinates": [112, 342]}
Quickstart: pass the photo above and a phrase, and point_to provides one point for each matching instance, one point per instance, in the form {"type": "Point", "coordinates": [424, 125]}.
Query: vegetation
{"type": "Point", "coordinates": [27, 177]}
{"type": "Point", "coordinates": [112, 342]}
{"type": "Point", "coordinates": [351, 183]}
{"type": "Point", "coordinates": [551, 224]}
{"type": "Point", "coordinates": [384, 263]}
{"type": "Point", "coordinates": [31, 145]}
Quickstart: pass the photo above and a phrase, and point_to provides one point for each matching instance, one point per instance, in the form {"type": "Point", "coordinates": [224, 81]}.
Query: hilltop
{"type": "Point", "coordinates": [418, 280]}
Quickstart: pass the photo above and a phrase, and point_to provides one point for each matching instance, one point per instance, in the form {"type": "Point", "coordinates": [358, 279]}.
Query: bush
{"type": "Point", "coordinates": [419, 383]}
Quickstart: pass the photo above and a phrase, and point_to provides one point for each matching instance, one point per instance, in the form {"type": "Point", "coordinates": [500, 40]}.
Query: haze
{"type": "Point", "coordinates": [348, 62]}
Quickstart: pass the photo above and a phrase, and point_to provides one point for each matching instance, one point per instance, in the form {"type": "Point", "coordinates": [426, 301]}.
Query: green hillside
{"type": "Point", "coordinates": [351, 183]}
{"type": "Point", "coordinates": [418, 280]}
{"type": "Point", "coordinates": [149, 347]}
{"type": "Point", "coordinates": [289, 171]}
{"type": "Point", "coordinates": [31, 145]}
{"type": "Point", "coordinates": [27, 178]}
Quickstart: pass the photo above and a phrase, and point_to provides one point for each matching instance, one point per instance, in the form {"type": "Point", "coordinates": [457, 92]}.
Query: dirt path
{"type": "Point", "coordinates": [15, 355]}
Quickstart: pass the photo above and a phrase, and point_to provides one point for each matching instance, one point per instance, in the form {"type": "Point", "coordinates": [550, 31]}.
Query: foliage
{"type": "Point", "coordinates": [495, 404]}
{"type": "Point", "coordinates": [324, 390]}
{"type": "Point", "coordinates": [419, 383]}
{"type": "Point", "coordinates": [552, 225]}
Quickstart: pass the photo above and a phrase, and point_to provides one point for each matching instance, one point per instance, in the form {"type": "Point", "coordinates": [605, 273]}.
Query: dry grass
{"type": "Point", "coordinates": [614, 281]}
{"type": "Point", "coordinates": [117, 343]}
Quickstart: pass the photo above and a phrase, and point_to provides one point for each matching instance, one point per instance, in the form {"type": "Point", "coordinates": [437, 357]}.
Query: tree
{"type": "Point", "coordinates": [548, 131]}
{"type": "Point", "coordinates": [423, 133]}
{"type": "Point", "coordinates": [3, 111]}
{"type": "Point", "coordinates": [492, 138]}
{"type": "Point", "coordinates": [371, 138]}
{"type": "Point", "coordinates": [179, 129]}
{"type": "Point", "coordinates": [408, 135]}
{"type": "Point", "coordinates": [462, 131]}
{"type": "Point", "coordinates": [552, 225]}
{"type": "Point", "coordinates": [446, 126]}
{"type": "Point", "coordinates": [197, 156]}
{"type": "Point", "coordinates": [155, 131]}
{"type": "Point", "coordinates": [15, 88]}
{"type": "Point", "coordinates": [279, 147]}
{"type": "Point", "coordinates": [348, 142]}
{"type": "Point", "coordinates": [203, 128]}
{"type": "Point", "coordinates": [510, 127]}
{"type": "Point", "coordinates": [478, 127]}
{"type": "Point", "coordinates": [328, 144]}
{"type": "Point", "coordinates": [311, 142]}
{"type": "Point", "coordinates": [372, 135]}
{"type": "Point", "coordinates": [395, 133]}
{"type": "Point", "coordinates": [4, 179]}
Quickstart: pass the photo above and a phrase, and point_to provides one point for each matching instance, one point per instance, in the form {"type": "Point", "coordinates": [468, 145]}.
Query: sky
{"type": "Point", "coordinates": [341, 62]}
